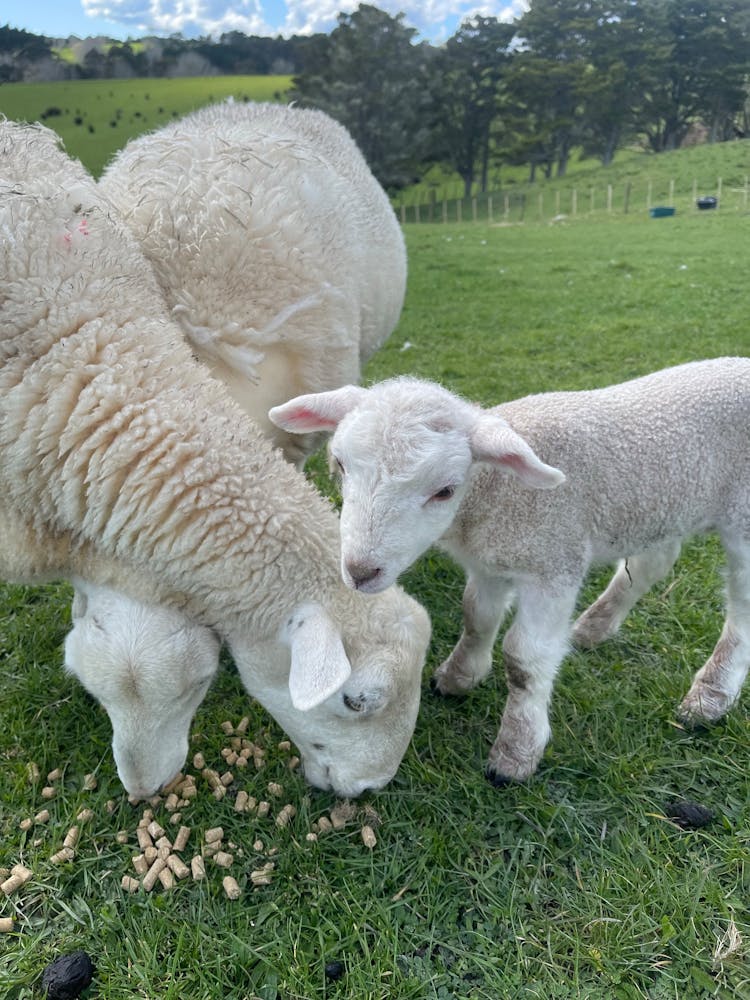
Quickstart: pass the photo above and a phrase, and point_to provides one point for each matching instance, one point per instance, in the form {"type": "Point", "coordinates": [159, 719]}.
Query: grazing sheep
{"type": "Point", "coordinates": [277, 250]}
{"type": "Point", "coordinates": [645, 464]}
{"type": "Point", "coordinates": [123, 465]}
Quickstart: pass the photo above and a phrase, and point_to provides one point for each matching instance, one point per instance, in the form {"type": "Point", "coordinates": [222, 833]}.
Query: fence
{"type": "Point", "coordinates": [548, 204]}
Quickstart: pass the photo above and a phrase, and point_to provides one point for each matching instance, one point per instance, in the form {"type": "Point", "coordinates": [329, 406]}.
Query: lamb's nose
{"type": "Point", "coordinates": [362, 573]}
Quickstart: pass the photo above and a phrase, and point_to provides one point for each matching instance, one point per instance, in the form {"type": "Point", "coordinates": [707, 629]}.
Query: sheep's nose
{"type": "Point", "coordinates": [362, 573]}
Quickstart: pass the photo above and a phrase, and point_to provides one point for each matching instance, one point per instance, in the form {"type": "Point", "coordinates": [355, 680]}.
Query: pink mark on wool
{"type": "Point", "coordinates": [70, 238]}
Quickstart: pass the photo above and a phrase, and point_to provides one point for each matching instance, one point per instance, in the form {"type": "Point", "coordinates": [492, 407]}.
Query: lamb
{"type": "Point", "coordinates": [276, 249]}
{"type": "Point", "coordinates": [123, 465]}
{"type": "Point", "coordinates": [644, 464]}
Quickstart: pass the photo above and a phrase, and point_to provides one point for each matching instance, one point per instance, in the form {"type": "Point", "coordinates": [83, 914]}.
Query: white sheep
{"type": "Point", "coordinates": [277, 250]}
{"type": "Point", "coordinates": [645, 464]}
{"type": "Point", "coordinates": [280, 256]}
{"type": "Point", "coordinates": [123, 465]}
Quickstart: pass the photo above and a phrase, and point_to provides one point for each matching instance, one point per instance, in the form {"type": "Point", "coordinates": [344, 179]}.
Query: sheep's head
{"type": "Point", "coordinates": [406, 450]}
{"type": "Point", "coordinates": [347, 692]}
{"type": "Point", "coordinates": [150, 667]}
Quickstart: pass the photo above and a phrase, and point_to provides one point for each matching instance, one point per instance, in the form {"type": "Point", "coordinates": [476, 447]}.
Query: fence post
{"type": "Point", "coordinates": [403, 213]}
{"type": "Point", "coordinates": [445, 210]}
{"type": "Point", "coordinates": [474, 209]}
{"type": "Point", "coordinates": [609, 198]}
{"type": "Point", "coordinates": [489, 209]}
{"type": "Point", "coordinates": [541, 205]}
{"type": "Point", "coordinates": [695, 194]}
{"type": "Point", "coordinates": [557, 202]}
{"type": "Point", "coordinates": [649, 191]}
{"type": "Point", "coordinates": [416, 212]}
{"type": "Point", "coordinates": [506, 207]}
{"type": "Point", "coordinates": [523, 204]}
{"type": "Point", "coordinates": [718, 192]}
{"type": "Point", "coordinates": [459, 207]}
{"type": "Point", "coordinates": [591, 203]}
{"type": "Point", "coordinates": [744, 200]}
{"type": "Point", "coordinates": [574, 202]}
{"type": "Point", "coordinates": [671, 191]}
{"type": "Point", "coordinates": [626, 203]}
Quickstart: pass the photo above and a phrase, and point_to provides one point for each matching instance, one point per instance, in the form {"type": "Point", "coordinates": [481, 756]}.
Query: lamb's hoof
{"type": "Point", "coordinates": [702, 708]}
{"type": "Point", "coordinates": [434, 689]}
{"type": "Point", "coordinates": [498, 780]}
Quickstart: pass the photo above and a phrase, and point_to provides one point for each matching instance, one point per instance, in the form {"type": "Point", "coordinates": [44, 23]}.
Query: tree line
{"type": "Point", "coordinates": [590, 75]}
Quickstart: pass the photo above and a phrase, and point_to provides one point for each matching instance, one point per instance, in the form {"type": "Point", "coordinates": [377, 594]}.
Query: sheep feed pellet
{"type": "Point", "coordinates": [231, 887]}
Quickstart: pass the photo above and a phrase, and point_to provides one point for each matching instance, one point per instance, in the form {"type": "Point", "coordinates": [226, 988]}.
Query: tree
{"type": "Point", "coordinates": [371, 76]}
{"type": "Point", "coordinates": [703, 69]}
{"type": "Point", "coordinates": [547, 77]}
{"type": "Point", "coordinates": [467, 75]}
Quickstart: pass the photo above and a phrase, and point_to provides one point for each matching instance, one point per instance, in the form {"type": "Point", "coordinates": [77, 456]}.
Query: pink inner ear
{"type": "Point", "coordinates": [516, 462]}
{"type": "Point", "coordinates": [301, 415]}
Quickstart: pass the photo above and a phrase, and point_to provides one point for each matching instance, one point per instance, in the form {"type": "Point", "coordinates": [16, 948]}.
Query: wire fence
{"type": "Point", "coordinates": [547, 205]}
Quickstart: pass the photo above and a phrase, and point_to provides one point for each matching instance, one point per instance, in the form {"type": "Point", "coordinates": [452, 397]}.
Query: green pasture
{"type": "Point", "coordinates": [573, 885]}
{"type": "Point", "coordinates": [97, 117]}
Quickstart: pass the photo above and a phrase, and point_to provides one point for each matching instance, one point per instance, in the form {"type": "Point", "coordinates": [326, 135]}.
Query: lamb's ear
{"type": "Point", "coordinates": [320, 665]}
{"type": "Point", "coordinates": [317, 411]}
{"type": "Point", "coordinates": [494, 440]}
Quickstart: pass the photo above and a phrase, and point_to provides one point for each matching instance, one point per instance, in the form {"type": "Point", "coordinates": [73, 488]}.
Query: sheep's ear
{"type": "Point", "coordinates": [317, 411]}
{"type": "Point", "coordinates": [320, 665]}
{"type": "Point", "coordinates": [493, 440]}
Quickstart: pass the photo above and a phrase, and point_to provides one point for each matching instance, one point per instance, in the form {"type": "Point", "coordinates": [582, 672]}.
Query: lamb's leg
{"type": "Point", "coordinates": [533, 649]}
{"type": "Point", "coordinates": [719, 681]}
{"type": "Point", "coordinates": [632, 579]}
{"type": "Point", "coordinates": [485, 602]}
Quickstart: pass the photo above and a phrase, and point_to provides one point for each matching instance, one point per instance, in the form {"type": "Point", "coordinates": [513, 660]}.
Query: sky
{"type": "Point", "coordinates": [435, 20]}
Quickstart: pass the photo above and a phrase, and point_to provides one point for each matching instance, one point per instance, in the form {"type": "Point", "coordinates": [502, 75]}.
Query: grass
{"type": "Point", "coordinates": [635, 182]}
{"type": "Point", "coordinates": [95, 118]}
{"type": "Point", "coordinates": [573, 885]}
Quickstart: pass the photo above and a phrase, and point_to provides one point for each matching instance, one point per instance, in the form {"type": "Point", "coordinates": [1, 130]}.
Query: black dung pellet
{"type": "Point", "coordinates": [68, 976]}
{"type": "Point", "coordinates": [334, 970]}
{"type": "Point", "coordinates": [688, 815]}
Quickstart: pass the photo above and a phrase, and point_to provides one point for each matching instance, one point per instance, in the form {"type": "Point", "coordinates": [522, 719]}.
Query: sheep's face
{"type": "Point", "coordinates": [406, 450]}
{"type": "Point", "coordinates": [402, 482]}
{"type": "Point", "coordinates": [356, 737]}
{"type": "Point", "coordinates": [150, 668]}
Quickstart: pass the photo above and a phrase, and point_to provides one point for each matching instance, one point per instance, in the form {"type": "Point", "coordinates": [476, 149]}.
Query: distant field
{"type": "Point", "coordinates": [97, 117]}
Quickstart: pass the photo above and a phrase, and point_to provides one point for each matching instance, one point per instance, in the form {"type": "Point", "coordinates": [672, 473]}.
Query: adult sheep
{"type": "Point", "coordinates": [124, 466]}
{"type": "Point", "coordinates": [276, 249]}
{"type": "Point", "coordinates": [645, 464]}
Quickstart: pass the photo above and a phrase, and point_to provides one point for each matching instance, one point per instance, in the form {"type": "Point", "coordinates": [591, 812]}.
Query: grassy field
{"type": "Point", "coordinates": [97, 117]}
{"type": "Point", "coordinates": [574, 885]}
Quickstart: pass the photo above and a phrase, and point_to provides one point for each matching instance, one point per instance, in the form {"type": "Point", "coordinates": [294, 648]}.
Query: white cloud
{"type": "Point", "coordinates": [190, 17]}
{"type": "Point", "coordinates": [434, 19]}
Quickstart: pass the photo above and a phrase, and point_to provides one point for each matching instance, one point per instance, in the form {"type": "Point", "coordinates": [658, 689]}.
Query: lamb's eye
{"type": "Point", "coordinates": [445, 494]}
{"type": "Point", "coordinates": [354, 704]}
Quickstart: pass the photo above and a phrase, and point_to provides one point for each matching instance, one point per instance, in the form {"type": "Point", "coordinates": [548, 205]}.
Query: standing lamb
{"type": "Point", "coordinates": [123, 465]}
{"type": "Point", "coordinates": [646, 463]}
{"type": "Point", "coordinates": [276, 249]}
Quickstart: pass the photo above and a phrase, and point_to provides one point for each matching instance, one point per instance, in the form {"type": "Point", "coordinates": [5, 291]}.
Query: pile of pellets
{"type": "Point", "coordinates": [169, 850]}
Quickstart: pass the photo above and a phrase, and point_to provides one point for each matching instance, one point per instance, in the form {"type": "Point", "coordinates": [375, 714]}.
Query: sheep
{"type": "Point", "coordinates": [276, 249]}
{"type": "Point", "coordinates": [124, 465]}
{"type": "Point", "coordinates": [633, 469]}
{"type": "Point", "coordinates": [280, 256]}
